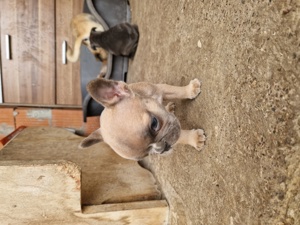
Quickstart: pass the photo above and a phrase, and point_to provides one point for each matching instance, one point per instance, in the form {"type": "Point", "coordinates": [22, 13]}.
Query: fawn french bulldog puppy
{"type": "Point", "coordinates": [134, 123]}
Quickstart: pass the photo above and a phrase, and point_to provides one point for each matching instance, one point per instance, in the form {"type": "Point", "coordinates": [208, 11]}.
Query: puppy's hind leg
{"type": "Point", "coordinates": [195, 138]}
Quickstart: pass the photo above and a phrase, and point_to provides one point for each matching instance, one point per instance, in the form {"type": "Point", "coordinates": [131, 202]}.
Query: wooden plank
{"type": "Point", "coordinates": [36, 190]}
{"type": "Point", "coordinates": [106, 177]}
{"type": "Point", "coordinates": [134, 213]}
{"type": "Point", "coordinates": [48, 192]}
{"type": "Point", "coordinates": [68, 90]}
{"type": "Point", "coordinates": [37, 187]}
{"type": "Point", "coordinates": [29, 76]}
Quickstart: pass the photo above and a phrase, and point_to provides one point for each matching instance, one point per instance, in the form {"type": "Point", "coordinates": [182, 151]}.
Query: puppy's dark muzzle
{"type": "Point", "coordinates": [160, 147]}
{"type": "Point", "coordinates": [166, 148]}
{"type": "Point", "coordinates": [167, 138]}
{"type": "Point", "coordinates": [172, 133]}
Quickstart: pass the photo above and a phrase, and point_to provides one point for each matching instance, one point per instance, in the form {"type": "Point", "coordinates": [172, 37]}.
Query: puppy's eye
{"type": "Point", "coordinates": [154, 124]}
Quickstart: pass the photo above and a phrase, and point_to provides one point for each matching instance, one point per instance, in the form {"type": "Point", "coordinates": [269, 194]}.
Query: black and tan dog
{"type": "Point", "coordinates": [121, 39]}
{"type": "Point", "coordinates": [134, 122]}
{"type": "Point", "coordinates": [81, 26]}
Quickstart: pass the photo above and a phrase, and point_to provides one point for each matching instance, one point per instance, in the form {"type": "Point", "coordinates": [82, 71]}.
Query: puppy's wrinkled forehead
{"type": "Point", "coordinates": [133, 116]}
{"type": "Point", "coordinates": [133, 111]}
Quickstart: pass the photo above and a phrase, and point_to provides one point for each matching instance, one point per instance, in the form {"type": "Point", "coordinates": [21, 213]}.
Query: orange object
{"type": "Point", "coordinates": [6, 139]}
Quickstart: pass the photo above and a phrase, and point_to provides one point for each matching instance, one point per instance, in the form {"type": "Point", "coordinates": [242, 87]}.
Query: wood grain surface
{"type": "Point", "coordinates": [68, 75]}
{"type": "Point", "coordinates": [29, 76]}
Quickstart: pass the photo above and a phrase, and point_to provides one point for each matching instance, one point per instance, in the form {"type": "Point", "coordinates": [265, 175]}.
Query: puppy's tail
{"type": "Point", "coordinates": [73, 56]}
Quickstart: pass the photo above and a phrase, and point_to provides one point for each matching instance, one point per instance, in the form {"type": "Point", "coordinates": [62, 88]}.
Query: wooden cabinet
{"type": "Point", "coordinates": [32, 32]}
{"type": "Point", "coordinates": [68, 89]}
{"type": "Point", "coordinates": [28, 74]}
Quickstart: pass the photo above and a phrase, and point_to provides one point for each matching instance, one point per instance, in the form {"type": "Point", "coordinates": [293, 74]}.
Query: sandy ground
{"type": "Point", "coordinates": [247, 55]}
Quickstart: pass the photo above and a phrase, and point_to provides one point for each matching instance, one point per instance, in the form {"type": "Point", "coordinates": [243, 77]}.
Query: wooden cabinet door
{"type": "Point", "coordinates": [68, 91]}
{"type": "Point", "coordinates": [29, 76]}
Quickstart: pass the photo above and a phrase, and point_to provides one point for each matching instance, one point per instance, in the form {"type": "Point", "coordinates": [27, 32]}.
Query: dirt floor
{"type": "Point", "coordinates": [247, 55]}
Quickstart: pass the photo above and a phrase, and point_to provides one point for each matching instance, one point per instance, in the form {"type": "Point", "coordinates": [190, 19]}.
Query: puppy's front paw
{"type": "Point", "coordinates": [198, 139]}
{"type": "Point", "coordinates": [170, 107]}
{"type": "Point", "coordinates": [194, 88]}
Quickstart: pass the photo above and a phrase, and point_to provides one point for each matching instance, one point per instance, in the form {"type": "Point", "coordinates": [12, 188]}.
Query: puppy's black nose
{"type": "Point", "coordinates": [166, 148]}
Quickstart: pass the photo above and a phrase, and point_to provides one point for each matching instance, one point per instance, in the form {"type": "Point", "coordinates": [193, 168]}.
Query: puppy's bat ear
{"type": "Point", "coordinates": [92, 139]}
{"type": "Point", "coordinates": [108, 92]}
